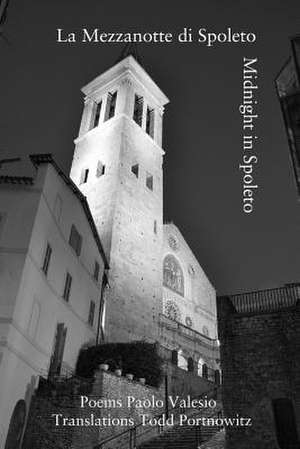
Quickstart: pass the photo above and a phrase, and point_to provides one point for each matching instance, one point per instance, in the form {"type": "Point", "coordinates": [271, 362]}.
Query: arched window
{"type": "Point", "coordinates": [174, 357]}
{"type": "Point", "coordinates": [173, 275]}
{"type": "Point", "coordinates": [16, 426]}
{"type": "Point", "coordinates": [182, 361]}
{"type": "Point", "coordinates": [204, 371]}
{"type": "Point", "coordinates": [217, 377]}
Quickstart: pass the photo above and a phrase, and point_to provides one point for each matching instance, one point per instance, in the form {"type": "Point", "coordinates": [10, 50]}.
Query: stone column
{"type": "Point", "coordinates": [158, 123]}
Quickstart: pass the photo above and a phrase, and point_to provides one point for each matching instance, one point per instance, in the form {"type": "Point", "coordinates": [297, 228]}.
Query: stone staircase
{"type": "Point", "coordinates": [186, 436]}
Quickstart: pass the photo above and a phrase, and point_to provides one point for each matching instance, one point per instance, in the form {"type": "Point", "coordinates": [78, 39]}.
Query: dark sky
{"type": "Point", "coordinates": [41, 105]}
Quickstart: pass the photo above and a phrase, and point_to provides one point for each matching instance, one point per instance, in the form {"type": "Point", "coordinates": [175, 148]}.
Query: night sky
{"type": "Point", "coordinates": [41, 106]}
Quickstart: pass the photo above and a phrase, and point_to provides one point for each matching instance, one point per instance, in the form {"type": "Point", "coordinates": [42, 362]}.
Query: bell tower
{"type": "Point", "coordinates": [117, 164]}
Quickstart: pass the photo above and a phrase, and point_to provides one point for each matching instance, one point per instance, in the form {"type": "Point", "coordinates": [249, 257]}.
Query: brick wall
{"type": "Point", "coordinates": [260, 362]}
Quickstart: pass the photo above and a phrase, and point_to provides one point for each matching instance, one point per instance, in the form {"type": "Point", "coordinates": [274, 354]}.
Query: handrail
{"type": "Point", "coordinates": [132, 431]}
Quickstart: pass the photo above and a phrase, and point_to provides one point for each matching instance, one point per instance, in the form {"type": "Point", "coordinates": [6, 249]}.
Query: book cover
{"type": "Point", "coordinates": [149, 222]}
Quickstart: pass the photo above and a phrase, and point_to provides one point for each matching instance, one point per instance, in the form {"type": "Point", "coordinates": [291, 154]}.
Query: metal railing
{"type": "Point", "coordinates": [266, 300]}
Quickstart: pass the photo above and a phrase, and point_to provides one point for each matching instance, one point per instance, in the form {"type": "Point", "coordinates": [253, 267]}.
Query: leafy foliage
{"type": "Point", "coordinates": [138, 358]}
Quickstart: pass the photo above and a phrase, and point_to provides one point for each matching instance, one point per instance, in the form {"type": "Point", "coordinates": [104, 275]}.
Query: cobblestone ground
{"type": "Point", "coordinates": [216, 442]}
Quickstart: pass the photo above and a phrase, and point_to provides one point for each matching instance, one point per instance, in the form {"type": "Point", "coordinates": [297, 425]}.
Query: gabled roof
{"type": "Point", "coordinates": [39, 159]}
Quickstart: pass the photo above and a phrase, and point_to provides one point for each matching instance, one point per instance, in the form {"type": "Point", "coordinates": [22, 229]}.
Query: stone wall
{"type": "Point", "coordinates": [42, 431]}
{"type": "Point", "coordinates": [184, 383]}
{"type": "Point", "coordinates": [260, 363]}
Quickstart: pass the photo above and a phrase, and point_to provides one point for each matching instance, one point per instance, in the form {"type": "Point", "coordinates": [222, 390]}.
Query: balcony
{"type": "Point", "coordinates": [185, 331]}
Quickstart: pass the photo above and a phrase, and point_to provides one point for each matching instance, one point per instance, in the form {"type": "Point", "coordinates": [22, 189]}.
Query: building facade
{"type": "Point", "coordinates": [260, 358]}
{"type": "Point", "coordinates": [51, 277]}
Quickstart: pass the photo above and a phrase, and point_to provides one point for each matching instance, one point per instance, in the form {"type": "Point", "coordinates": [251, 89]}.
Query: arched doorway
{"type": "Point", "coordinates": [190, 364]}
{"type": "Point", "coordinates": [285, 423]}
{"type": "Point", "coordinates": [205, 371]}
{"type": "Point", "coordinates": [16, 426]}
{"type": "Point", "coordinates": [174, 357]}
{"type": "Point", "coordinates": [182, 361]}
{"type": "Point", "coordinates": [201, 362]}
{"type": "Point", "coordinates": [217, 377]}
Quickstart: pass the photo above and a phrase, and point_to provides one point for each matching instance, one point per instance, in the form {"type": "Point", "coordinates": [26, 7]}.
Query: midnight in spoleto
{"type": "Point", "coordinates": [248, 109]}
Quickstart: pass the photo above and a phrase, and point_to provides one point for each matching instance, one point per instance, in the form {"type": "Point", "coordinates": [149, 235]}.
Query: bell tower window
{"type": "Point", "coordinates": [110, 105]}
{"type": "Point", "coordinates": [138, 109]}
{"type": "Point", "coordinates": [97, 114]}
{"type": "Point", "coordinates": [150, 122]}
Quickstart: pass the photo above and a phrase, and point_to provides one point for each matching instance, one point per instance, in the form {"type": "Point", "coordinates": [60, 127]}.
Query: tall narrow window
{"type": "Point", "coordinates": [84, 176]}
{"type": "Point", "coordinates": [67, 287]}
{"type": "Point", "coordinates": [205, 371]}
{"type": "Point", "coordinates": [174, 357]}
{"type": "Point", "coordinates": [110, 105]}
{"type": "Point", "coordinates": [100, 169]}
{"type": "Point", "coordinates": [155, 227]}
{"type": "Point", "coordinates": [149, 181]}
{"type": "Point", "coordinates": [34, 319]}
{"type": "Point", "coordinates": [135, 170]}
{"type": "Point", "coordinates": [75, 240]}
{"type": "Point", "coordinates": [96, 271]}
{"type": "Point", "coordinates": [190, 364]}
{"type": "Point", "coordinates": [58, 207]}
{"type": "Point", "coordinates": [150, 122]}
{"type": "Point", "coordinates": [47, 258]}
{"type": "Point", "coordinates": [97, 113]}
{"type": "Point", "coordinates": [58, 350]}
{"type": "Point", "coordinates": [138, 109]}
{"type": "Point", "coordinates": [91, 313]}
{"type": "Point", "coordinates": [2, 219]}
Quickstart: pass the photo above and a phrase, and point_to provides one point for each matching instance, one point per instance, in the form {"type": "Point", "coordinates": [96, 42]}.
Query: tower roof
{"type": "Point", "coordinates": [128, 66]}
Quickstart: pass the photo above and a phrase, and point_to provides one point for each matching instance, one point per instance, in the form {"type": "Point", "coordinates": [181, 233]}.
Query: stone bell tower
{"type": "Point", "coordinates": [117, 164]}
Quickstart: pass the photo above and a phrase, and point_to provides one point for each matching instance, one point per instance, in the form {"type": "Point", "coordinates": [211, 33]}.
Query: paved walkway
{"type": "Point", "coordinates": [217, 441]}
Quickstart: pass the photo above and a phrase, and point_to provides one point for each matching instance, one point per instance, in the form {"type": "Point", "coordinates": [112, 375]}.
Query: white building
{"type": "Point", "coordinates": [51, 285]}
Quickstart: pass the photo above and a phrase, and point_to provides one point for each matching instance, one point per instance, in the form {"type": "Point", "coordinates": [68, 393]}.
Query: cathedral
{"type": "Point", "coordinates": [88, 259]}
